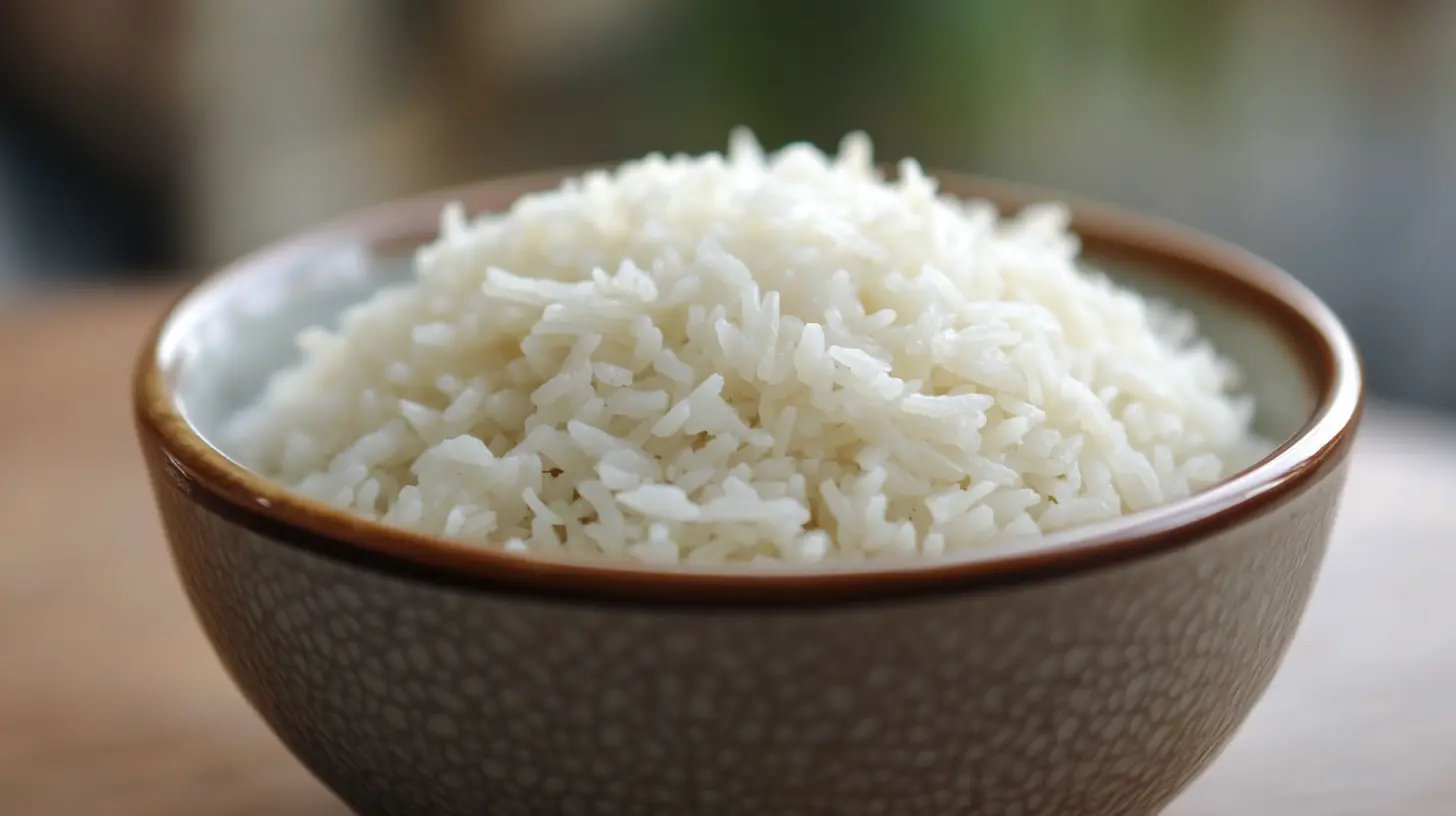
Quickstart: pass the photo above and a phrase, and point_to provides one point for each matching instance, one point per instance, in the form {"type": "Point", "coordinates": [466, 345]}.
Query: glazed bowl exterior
{"type": "Point", "coordinates": [1095, 674]}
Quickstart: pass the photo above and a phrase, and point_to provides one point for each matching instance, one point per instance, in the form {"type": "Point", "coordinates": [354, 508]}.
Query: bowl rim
{"type": "Point", "coordinates": [180, 455]}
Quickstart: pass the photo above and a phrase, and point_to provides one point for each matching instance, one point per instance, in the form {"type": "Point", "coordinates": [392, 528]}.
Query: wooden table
{"type": "Point", "coordinates": [112, 704]}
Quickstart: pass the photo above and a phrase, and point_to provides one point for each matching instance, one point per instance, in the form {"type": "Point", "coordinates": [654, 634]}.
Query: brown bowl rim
{"type": "Point", "coordinates": [181, 457]}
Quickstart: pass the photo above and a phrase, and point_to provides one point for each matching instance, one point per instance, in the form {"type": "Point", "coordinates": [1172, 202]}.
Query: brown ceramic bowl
{"type": "Point", "coordinates": [1096, 673]}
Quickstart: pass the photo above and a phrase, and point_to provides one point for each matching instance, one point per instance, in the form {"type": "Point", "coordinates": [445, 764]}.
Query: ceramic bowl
{"type": "Point", "coordinates": [1093, 672]}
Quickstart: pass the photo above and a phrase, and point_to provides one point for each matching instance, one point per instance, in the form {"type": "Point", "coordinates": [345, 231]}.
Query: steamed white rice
{"type": "Point", "coordinates": [750, 358]}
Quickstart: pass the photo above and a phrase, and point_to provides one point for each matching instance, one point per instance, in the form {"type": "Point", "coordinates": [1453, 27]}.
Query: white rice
{"type": "Point", "coordinates": [750, 358]}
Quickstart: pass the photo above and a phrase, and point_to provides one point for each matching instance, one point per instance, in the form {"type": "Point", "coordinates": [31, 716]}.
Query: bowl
{"type": "Point", "coordinates": [1095, 671]}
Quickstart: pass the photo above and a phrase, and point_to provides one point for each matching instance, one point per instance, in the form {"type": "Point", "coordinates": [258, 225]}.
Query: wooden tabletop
{"type": "Point", "coordinates": [112, 704]}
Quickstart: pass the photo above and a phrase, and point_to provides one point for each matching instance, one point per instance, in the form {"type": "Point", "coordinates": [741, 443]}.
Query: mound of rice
{"type": "Point", "coordinates": [749, 358]}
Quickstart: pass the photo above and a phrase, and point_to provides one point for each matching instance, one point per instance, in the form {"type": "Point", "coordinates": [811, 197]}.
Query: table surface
{"type": "Point", "coordinates": [112, 703]}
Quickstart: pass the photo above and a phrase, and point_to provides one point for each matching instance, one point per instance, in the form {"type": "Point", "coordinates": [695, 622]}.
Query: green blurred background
{"type": "Point", "coordinates": [142, 138]}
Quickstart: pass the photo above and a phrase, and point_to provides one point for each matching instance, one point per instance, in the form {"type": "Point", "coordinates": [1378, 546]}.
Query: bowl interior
{"type": "Point", "coordinates": [216, 350]}
{"type": "Point", "coordinates": [229, 337]}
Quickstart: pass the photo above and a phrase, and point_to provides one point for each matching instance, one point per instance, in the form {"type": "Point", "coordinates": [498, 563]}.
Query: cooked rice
{"type": "Point", "coordinates": [750, 358]}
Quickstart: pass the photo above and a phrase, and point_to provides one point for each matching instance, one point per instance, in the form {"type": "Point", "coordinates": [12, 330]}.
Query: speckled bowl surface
{"type": "Point", "coordinates": [1095, 672]}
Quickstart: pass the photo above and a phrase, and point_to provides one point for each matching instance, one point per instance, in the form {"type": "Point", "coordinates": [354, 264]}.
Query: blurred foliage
{"type": "Point", "coordinates": [928, 73]}
{"type": "Point", "coordinates": [1188, 40]}
{"type": "Point", "coordinates": [791, 70]}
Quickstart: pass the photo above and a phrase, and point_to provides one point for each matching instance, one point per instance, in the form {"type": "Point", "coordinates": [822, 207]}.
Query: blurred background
{"type": "Point", "coordinates": [145, 139]}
